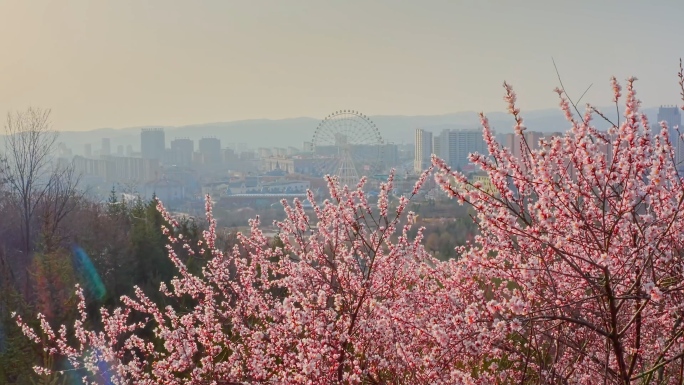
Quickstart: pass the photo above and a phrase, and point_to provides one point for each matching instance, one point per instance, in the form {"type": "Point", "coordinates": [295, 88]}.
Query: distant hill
{"type": "Point", "coordinates": [294, 132]}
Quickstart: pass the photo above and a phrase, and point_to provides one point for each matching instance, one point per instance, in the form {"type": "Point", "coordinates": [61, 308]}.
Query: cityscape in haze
{"type": "Point", "coordinates": [181, 168]}
{"type": "Point", "coordinates": [357, 192]}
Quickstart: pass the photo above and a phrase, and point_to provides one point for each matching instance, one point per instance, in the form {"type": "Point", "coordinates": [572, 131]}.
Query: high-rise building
{"type": "Point", "coordinates": [437, 145]}
{"type": "Point", "coordinates": [463, 142]}
{"type": "Point", "coordinates": [279, 152]}
{"type": "Point", "coordinates": [673, 118]}
{"type": "Point", "coordinates": [423, 154]}
{"type": "Point", "coordinates": [390, 155]}
{"type": "Point", "coordinates": [88, 150]}
{"type": "Point", "coordinates": [670, 115]}
{"type": "Point", "coordinates": [182, 150]}
{"type": "Point", "coordinates": [120, 150]}
{"type": "Point", "coordinates": [454, 146]}
{"type": "Point", "coordinates": [515, 145]}
{"type": "Point", "coordinates": [152, 143]}
{"type": "Point", "coordinates": [118, 168]}
{"type": "Point", "coordinates": [229, 155]}
{"type": "Point", "coordinates": [248, 155]}
{"type": "Point", "coordinates": [134, 169]}
{"type": "Point", "coordinates": [210, 148]}
{"type": "Point", "coordinates": [106, 149]}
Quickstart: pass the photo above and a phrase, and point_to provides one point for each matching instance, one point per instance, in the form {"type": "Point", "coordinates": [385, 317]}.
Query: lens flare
{"type": "Point", "coordinates": [102, 367]}
{"type": "Point", "coordinates": [88, 273]}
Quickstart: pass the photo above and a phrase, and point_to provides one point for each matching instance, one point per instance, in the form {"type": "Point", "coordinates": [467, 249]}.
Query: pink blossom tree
{"type": "Point", "coordinates": [348, 298]}
{"type": "Point", "coordinates": [580, 250]}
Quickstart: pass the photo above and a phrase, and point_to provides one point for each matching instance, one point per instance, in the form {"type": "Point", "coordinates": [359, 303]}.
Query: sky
{"type": "Point", "coordinates": [125, 63]}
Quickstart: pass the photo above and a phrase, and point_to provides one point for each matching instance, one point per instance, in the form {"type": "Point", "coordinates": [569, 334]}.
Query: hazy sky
{"type": "Point", "coordinates": [126, 63]}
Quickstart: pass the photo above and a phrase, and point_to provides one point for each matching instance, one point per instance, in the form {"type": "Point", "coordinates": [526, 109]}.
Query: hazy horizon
{"type": "Point", "coordinates": [118, 64]}
{"type": "Point", "coordinates": [609, 110]}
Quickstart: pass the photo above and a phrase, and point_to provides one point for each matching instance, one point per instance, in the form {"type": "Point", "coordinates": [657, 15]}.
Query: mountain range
{"type": "Point", "coordinates": [295, 131]}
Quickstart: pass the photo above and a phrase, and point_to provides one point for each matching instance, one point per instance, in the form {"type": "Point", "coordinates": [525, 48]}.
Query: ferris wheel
{"type": "Point", "coordinates": [347, 144]}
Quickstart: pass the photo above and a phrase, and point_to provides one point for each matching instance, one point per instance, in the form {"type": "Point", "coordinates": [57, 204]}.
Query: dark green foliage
{"type": "Point", "coordinates": [441, 237]}
{"type": "Point", "coordinates": [17, 355]}
{"type": "Point", "coordinates": [148, 246]}
{"type": "Point", "coordinates": [126, 246]}
{"type": "Point", "coordinates": [447, 225]}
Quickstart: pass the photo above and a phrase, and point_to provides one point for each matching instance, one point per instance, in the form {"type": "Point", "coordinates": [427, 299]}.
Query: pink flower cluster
{"type": "Point", "coordinates": [583, 248]}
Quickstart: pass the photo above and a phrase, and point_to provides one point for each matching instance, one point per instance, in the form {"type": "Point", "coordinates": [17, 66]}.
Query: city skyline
{"type": "Point", "coordinates": [180, 63]}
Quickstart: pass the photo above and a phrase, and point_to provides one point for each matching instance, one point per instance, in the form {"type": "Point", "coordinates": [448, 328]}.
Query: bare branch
{"type": "Point", "coordinates": [29, 144]}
